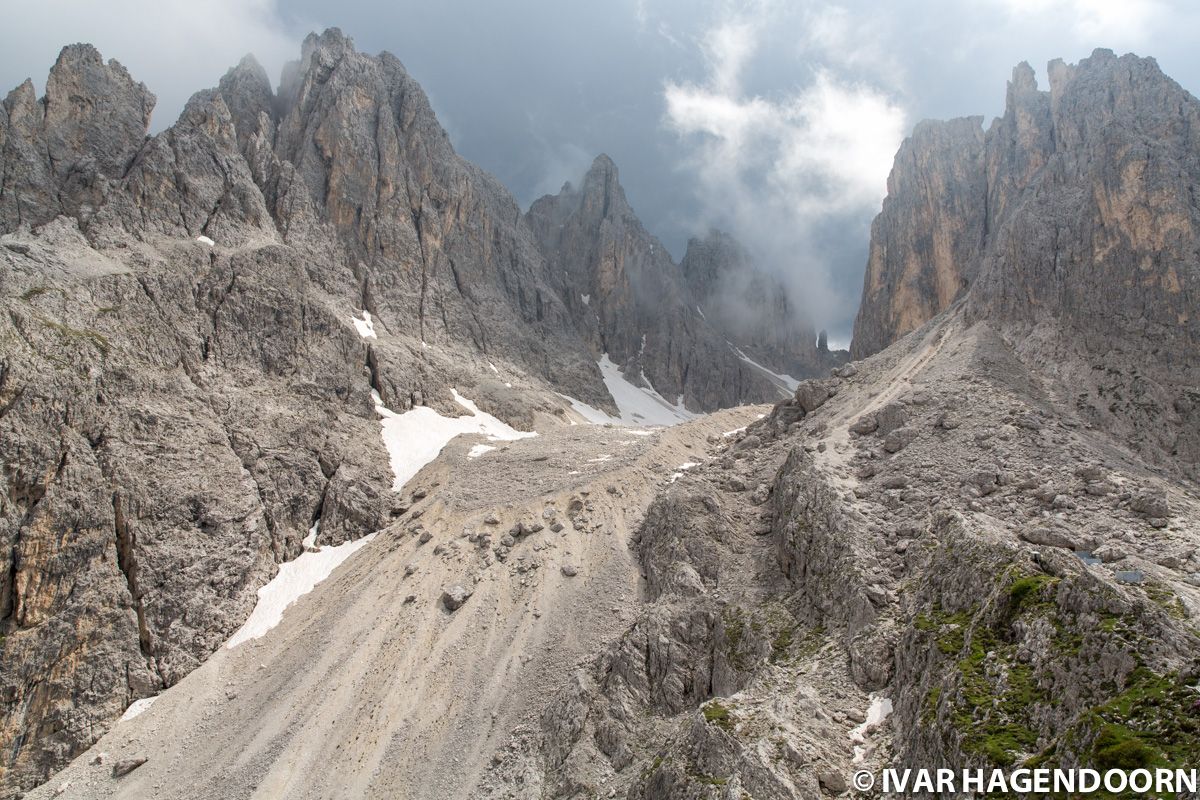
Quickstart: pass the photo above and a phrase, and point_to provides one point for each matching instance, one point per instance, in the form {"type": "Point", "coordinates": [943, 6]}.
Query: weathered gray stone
{"type": "Point", "coordinates": [900, 438]}
{"type": "Point", "coordinates": [454, 597]}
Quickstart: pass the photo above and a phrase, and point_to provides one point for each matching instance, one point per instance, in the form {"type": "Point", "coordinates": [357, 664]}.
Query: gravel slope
{"type": "Point", "coordinates": [370, 687]}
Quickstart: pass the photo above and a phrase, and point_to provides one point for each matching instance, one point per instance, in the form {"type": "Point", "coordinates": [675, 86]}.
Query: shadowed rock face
{"type": "Point", "coordinates": [630, 300]}
{"type": "Point", "coordinates": [925, 243]}
{"type": "Point", "coordinates": [750, 308]}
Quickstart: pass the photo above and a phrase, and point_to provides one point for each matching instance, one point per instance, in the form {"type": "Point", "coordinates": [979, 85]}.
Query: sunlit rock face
{"type": "Point", "coordinates": [1072, 224]}
{"type": "Point", "coordinates": [1075, 205]}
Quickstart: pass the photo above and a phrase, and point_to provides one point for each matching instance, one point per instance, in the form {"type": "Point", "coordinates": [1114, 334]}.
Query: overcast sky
{"type": "Point", "coordinates": [775, 120]}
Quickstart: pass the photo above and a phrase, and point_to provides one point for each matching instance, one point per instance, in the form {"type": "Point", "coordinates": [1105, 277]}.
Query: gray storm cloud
{"type": "Point", "coordinates": [774, 120]}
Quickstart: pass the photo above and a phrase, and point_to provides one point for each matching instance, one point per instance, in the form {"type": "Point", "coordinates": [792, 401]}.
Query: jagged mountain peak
{"type": "Point", "coordinates": [963, 183]}
{"type": "Point", "coordinates": [628, 297]}
{"type": "Point", "coordinates": [1070, 221]}
{"type": "Point", "coordinates": [247, 91]}
{"type": "Point", "coordinates": [599, 196]}
{"type": "Point", "coordinates": [1023, 78]}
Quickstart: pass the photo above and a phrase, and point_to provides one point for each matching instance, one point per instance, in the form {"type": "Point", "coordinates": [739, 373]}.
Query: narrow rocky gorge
{"type": "Point", "coordinates": [974, 545]}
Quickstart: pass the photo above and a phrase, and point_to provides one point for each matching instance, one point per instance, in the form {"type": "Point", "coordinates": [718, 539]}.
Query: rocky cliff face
{"type": "Point", "coordinates": [1075, 205]}
{"type": "Point", "coordinates": [1071, 220]}
{"type": "Point", "coordinates": [926, 243]}
{"type": "Point", "coordinates": [631, 301]}
{"type": "Point", "coordinates": [751, 309]}
{"type": "Point", "coordinates": [182, 393]}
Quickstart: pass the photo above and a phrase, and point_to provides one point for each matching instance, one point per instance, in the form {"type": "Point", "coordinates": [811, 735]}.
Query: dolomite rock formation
{"type": "Point", "coordinates": [751, 309]}
{"type": "Point", "coordinates": [176, 415]}
{"type": "Point", "coordinates": [925, 244]}
{"type": "Point", "coordinates": [631, 301]}
{"type": "Point", "coordinates": [1072, 222]}
{"type": "Point", "coordinates": [969, 522]}
{"type": "Point", "coordinates": [183, 393]}
{"type": "Point", "coordinates": [990, 524]}
{"type": "Point", "coordinates": [1054, 210]}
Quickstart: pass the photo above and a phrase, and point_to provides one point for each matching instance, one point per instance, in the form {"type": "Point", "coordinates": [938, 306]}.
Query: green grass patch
{"type": "Point", "coordinates": [780, 645]}
{"type": "Point", "coordinates": [1166, 599]}
{"type": "Point", "coordinates": [1029, 590]}
{"type": "Point", "coordinates": [80, 336]}
{"type": "Point", "coordinates": [1152, 722]}
{"type": "Point", "coordinates": [717, 714]}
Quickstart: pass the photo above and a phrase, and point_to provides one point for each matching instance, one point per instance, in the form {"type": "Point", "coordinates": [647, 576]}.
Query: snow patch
{"type": "Point", "coordinates": [880, 709]}
{"type": "Point", "coordinates": [136, 708]}
{"type": "Point", "coordinates": [310, 541]}
{"type": "Point", "coordinates": [590, 413]}
{"type": "Point", "coordinates": [479, 450]}
{"type": "Point", "coordinates": [586, 298]}
{"type": "Point", "coordinates": [295, 579]}
{"type": "Point", "coordinates": [640, 405]}
{"type": "Point", "coordinates": [678, 473]}
{"type": "Point", "coordinates": [210, 243]}
{"type": "Point", "coordinates": [492, 367]}
{"type": "Point", "coordinates": [415, 438]}
{"type": "Point", "coordinates": [365, 326]}
{"type": "Point", "coordinates": [781, 379]}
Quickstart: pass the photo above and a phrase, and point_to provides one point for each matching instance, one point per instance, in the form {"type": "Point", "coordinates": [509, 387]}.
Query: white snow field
{"type": "Point", "coordinates": [295, 579]}
{"type": "Point", "coordinates": [414, 438]}
{"type": "Point", "coordinates": [640, 406]}
{"type": "Point", "coordinates": [137, 707]}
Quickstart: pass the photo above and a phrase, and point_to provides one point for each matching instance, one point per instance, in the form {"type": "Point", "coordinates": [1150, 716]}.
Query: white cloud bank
{"type": "Point", "coordinates": [777, 169]}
